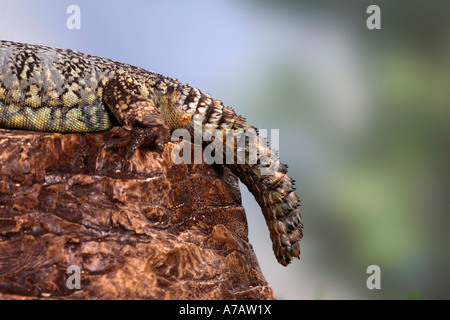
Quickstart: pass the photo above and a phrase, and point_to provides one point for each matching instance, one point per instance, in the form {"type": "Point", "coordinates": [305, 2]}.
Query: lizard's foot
{"type": "Point", "coordinates": [145, 124]}
{"type": "Point", "coordinates": [130, 138]}
{"type": "Point", "coordinates": [118, 137]}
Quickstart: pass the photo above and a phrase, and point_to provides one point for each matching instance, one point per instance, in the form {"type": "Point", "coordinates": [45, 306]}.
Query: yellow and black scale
{"type": "Point", "coordinates": [61, 90]}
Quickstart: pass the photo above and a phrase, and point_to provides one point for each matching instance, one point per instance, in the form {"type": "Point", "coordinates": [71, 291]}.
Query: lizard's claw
{"type": "Point", "coordinates": [130, 138]}
{"type": "Point", "coordinates": [162, 137]}
{"type": "Point", "coordinates": [119, 137]}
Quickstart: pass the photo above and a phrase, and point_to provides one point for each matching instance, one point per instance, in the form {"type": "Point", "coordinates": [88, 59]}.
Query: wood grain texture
{"type": "Point", "coordinates": [152, 231]}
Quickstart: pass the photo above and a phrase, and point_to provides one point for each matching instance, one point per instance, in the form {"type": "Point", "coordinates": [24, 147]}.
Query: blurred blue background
{"type": "Point", "coordinates": [363, 118]}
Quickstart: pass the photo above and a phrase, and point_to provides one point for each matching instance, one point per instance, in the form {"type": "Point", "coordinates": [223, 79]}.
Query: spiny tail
{"type": "Point", "coordinates": [265, 176]}
{"type": "Point", "coordinates": [261, 171]}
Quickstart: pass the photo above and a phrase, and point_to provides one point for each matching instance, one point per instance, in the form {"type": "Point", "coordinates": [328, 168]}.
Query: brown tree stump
{"type": "Point", "coordinates": [154, 231]}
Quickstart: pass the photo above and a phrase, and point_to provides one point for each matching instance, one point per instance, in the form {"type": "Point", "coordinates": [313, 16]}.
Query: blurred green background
{"type": "Point", "coordinates": [363, 117]}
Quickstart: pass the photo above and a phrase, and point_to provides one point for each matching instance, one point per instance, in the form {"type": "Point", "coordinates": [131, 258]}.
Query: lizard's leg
{"type": "Point", "coordinates": [130, 138]}
{"type": "Point", "coordinates": [142, 123]}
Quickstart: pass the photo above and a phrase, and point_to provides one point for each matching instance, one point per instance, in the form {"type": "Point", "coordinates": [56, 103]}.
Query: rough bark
{"type": "Point", "coordinates": [151, 230]}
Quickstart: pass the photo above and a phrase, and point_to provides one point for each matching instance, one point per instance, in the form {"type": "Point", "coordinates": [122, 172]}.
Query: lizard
{"type": "Point", "coordinates": [60, 90]}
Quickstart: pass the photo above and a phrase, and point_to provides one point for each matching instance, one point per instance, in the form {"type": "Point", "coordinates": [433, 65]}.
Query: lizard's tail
{"type": "Point", "coordinates": [255, 164]}
{"type": "Point", "coordinates": [275, 193]}
{"type": "Point", "coordinates": [258, 167]}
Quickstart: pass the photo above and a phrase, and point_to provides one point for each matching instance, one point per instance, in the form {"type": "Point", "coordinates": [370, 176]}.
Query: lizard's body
{"type": "Point", "coordinates": [60, 90]}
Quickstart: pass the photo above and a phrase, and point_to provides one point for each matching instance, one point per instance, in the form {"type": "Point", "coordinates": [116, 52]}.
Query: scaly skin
{"type": "Point", "coordinates": [60, 90]}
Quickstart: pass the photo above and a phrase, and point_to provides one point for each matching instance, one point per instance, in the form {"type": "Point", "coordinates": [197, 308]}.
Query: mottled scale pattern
{"type": "Point", "coordinates": [60, 90]}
